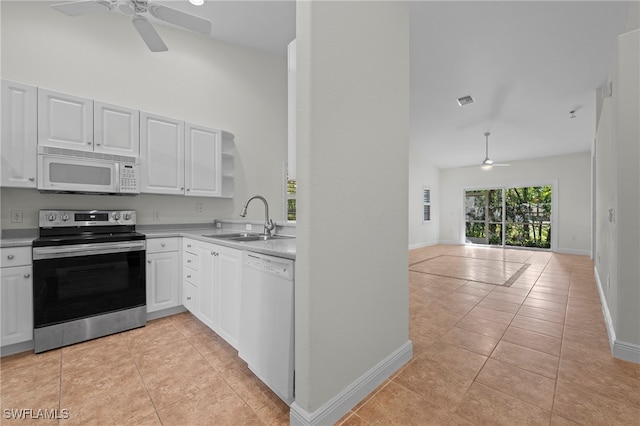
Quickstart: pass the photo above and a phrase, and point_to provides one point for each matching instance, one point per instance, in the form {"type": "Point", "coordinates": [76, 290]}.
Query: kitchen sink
{"type": "Point", "coordinates": [245, 236]}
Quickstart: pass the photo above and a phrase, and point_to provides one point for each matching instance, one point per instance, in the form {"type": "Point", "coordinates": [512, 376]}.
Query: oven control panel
{"type": "Point", "coordinates": [59, 218]}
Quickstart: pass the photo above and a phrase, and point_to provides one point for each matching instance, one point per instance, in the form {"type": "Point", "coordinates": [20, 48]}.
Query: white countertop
{"type": "Point", "coordinates": [285, 248]}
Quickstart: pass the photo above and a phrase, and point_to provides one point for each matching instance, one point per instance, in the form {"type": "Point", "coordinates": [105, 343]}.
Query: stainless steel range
{"type": "Point", "coordinates": [88, 276]}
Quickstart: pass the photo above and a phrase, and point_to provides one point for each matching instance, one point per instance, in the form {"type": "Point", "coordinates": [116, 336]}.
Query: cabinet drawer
{"type": "Point", "coordinates": [190, 275]}
{"type": "Point", "coordinates": [16, 256]}
{"type": "Point", "coordinates": [189, 245]}
{"type": "Point", "coordinates": [190, 260]}
{"type": "Point", "coordinates": [189, 293]}
{"type": "Point", "coordinates": [160, 245]}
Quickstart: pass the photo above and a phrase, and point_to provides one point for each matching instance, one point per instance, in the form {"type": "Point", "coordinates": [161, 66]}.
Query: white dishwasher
{"type": "Point", "coordinates": [266, 321]}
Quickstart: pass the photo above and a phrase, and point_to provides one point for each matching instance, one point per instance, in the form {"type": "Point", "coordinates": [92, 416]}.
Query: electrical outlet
{"type": "Point", "coordinates": [218, 225]}
{"type": "Point", "coordinates": [199, 208]}
{"type": "Point", "coordinates": [16, 216]}
{"type": "Point", "coordinates": [608, 281]}
{"type": "Point", "coordinates": [247, 227]}
{"type": "Point", "coordinates": [156, 215]}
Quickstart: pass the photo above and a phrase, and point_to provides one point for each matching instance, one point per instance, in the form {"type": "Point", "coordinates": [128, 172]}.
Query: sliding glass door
{"type": "Point", "coordinates": [516, 216]}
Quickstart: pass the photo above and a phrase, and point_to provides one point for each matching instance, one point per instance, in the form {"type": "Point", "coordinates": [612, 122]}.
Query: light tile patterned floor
{"type": "Point", "coordinates": [533, 353]}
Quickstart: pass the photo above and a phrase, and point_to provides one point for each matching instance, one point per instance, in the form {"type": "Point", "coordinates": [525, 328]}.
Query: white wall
{"type": "Point", "coordinates": [216, 84]}
{"type": "Point", "coordinates": [618, 191]}
{"type": "Point", "coordinates": [352, 157]}
{"type": "Point", "coordinates": [423, 174]}
{"type": "Point", "coordinates": [569, 173]}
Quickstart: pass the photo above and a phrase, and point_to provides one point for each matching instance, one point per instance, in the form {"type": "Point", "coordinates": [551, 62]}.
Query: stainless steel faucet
{"type": "Point", "coordinates": [269, 226]}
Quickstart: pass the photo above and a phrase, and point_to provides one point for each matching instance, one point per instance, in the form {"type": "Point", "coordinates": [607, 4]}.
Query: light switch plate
{"type": "Point", "coordinates": [247, 227]}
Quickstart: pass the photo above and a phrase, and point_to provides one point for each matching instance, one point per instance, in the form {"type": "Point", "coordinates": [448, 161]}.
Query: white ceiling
{"type": "Point", "coordinates": [527, 64]}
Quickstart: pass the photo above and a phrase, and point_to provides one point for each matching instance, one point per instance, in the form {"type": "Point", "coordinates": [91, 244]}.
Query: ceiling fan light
{"type": "Point", "coordinates": [487, 167]}
{"type": "Point", "coordinates": [126, 8]}
{"type": "Point", "coordinates": [196, 2]}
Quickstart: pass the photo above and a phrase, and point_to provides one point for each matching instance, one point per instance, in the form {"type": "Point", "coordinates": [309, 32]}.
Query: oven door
{"type": "Point", "coordinates": [79, 281]}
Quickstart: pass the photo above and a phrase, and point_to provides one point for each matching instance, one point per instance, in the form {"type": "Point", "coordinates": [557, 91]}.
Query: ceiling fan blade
{"type": "Point", "coordinates": [181, 19]}
{"type": "Point", "coordinates": [501, 164]}
{"type": "Point", "coordinates": [149, 34]}
{"type": "Point", "coordinates": [82, 7]}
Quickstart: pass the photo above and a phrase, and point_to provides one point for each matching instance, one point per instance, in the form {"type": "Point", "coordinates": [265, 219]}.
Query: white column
{"type": "Point", "coordinates": [352, 169]}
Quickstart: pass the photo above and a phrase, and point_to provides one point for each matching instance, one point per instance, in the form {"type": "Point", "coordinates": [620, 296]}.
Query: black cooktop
{"type": "Point", "coordinates": [86, 238]}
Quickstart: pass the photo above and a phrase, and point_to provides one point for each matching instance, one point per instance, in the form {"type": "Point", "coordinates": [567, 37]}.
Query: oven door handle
{"type": "Point", "coordinates": [41, 253]}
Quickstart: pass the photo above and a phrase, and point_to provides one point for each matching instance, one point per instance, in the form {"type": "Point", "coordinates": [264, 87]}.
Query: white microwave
{"type": "Point", "coordinates": [86, 172]}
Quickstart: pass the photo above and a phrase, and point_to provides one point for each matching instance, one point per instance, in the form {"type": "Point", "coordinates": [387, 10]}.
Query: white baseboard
{"type": "Point", "coordinates": [573, 251]}
{"type": "Point", "coordinates": [626, 351]}
{"type": "Point", "coordinates": [421, 245]}
{"type": "Point", "coordinates": [334, 409]}
{"type": "Point", "coordinates": [619, 349]}
{"type": "Point", "coordinates": [450, 242]}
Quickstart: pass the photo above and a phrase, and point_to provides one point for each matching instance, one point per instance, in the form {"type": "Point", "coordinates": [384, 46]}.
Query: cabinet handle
{"type": "Point", "coordinates": [188, 276]}
{"type": "Point", "coordinates": [98, 143]}
{"type": "Point", "coordinates": [163, 244]}
{"type": "Point", "coordinates": [89, 143]}
{"type": "Point", "coordinates": [148, 261]}
{"type": "Point", "coordinates": [27, 275]}
{"type": "Point", "coordinates": [10, 257]}
{"type": "Point", "coordinates": [188, 245]}
{"type": "Point", "coordinates": [188, 189]}
{"type": "Point", "coordinates": [32, 179]}
{"type": "Point", "coordinates": [189, 298]}
{"type": "Point", "coordinates": [181, 188]}
{"type": "Point", "coordinates": [188, 261]}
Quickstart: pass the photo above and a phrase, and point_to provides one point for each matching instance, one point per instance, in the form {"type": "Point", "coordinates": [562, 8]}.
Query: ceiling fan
{"type": "Point", "coordinates": [135, 9]}
{"type": "Point", "coordinates": [488, 163]}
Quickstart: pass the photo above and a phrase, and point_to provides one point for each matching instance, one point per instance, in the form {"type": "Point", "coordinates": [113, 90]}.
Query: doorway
{"type": "Point", "coordinates": [509, 217]}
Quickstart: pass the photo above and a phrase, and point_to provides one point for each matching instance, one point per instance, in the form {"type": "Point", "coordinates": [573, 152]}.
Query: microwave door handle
{"type": "Point", "coordinates": [117, 177]}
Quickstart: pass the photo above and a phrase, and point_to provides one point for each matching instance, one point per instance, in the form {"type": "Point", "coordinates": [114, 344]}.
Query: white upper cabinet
{"type": "Point", "coordinates": [161, 154]}
{"type": "Point", "coordinates": [19, 134]}
{"type": "Point", "coordinates": [65, 121]}
{"type": "Point", "coordinates": [116, 129]}
{"type": "Point", "coordinates": [202, 161]}
{"type": "Point", "coordinates": [184, 158]}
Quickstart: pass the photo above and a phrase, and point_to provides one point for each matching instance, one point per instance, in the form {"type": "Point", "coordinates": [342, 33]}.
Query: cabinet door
{"type": "Point", "coordinates": [207, 286]}
{"type": "Point", "coordinates": [116, 129]}
{"type": "Point", "coordinates": [19, 134]}
{"type": "Point", "coordinates": [17, 305]}
{"type": "Point", "coordinates": [65, 121]}
{"type": "Point", "coordinates": [163, 281]}
{"type": "Point", "coordinates": [229, 277]}
{"type": "Point", "coordinates": [202, 161]}
{"type": "Point", "coordinates": [161, 154]}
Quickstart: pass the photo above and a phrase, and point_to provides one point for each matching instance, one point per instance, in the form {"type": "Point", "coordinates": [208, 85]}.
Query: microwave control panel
{"type": "Point", "coordinates": [129, 182]}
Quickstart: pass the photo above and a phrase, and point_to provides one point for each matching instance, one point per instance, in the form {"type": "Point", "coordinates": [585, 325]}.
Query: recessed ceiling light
{"type": "Point", "coordinates": [465, 100]}
{"type": "Point", "coordinates": [196, 2]}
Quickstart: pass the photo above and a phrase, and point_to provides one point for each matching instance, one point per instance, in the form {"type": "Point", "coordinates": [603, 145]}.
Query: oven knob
{"type": "Point", "coordinates": [64, 217]}
{"type": "Point", "coordinates": [51, 217]}
{"type": "Point", "coordinates": [116, 216]}
{"type": "Point", "coordinates": [127, 216]}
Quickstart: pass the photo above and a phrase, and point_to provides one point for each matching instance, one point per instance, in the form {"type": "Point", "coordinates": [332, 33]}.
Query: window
{"type": "Point", "coordinates": [426, 204]}
{"type": "Point", "coordinates": [515, 216]}
{"type": "Point", "coordinates": [290, 191]}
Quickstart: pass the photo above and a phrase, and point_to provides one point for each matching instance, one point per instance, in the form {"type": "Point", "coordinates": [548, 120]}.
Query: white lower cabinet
{"type": "Point", "coordinates": [163, 274]}
{"type": "Point", "coordinates": [212, 277]}
{"type": "Point", "coordinates": [16, 286]}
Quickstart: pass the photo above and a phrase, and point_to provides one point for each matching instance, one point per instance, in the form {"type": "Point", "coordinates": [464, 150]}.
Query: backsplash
{"type": "Point", "coordinates": [150, 209]}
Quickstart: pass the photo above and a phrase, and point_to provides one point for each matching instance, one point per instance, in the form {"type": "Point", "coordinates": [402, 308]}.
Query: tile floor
{"type": "Point", "coordinates": [532, 353]}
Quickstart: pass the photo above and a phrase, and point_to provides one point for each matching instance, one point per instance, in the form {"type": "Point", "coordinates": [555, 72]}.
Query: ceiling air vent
{"type": "Point", "coordinates": [465, 100]}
